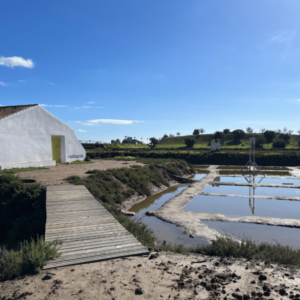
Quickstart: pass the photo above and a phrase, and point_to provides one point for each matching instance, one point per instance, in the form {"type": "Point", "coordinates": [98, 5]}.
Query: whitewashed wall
{"type": "Point", "coordinates": [25, 137]}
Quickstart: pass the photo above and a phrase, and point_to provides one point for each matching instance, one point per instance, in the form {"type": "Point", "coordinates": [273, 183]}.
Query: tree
{"type": "Point", "coordinates": [153, 141]}
{"type": "Point", "coordinates": [226, 131]}
{"type": "Point", "coordinates": [290, 132]}
{"type": "Point", "coordinates": [165, 136]}
{"type": "Point", "coordinates": [260, 141]}
{"type": "Point", "coordinates": [190, 142]}
{"type": "Point", "coordinates": [238, 134]}
{"type": "Point", "coordinates": [118, 141]}
{"type": "Point", "coordinates": [279, 143]}
{"type": "Point", "coordinates": [201, 130]}
{"type": "Point", "coordinates": [171, 135]}
{"type": "Point", "coordinates": [249, 130]}
{"type": "Point", "coordinates": [279, 131]}
{"type": "Point", "coordinates": [286, 137]}
{"type": "Point", "coordinates": [298, 131]}
{"type": "Point", "coordinates": [196, 132]}
{"type": "Point", "coordinates": [262, 130]}
{"type": "Point", "coordinates": [285, 130]}
{"type": "Point", "coordinates": [269, 135]}
{"type": "Point", "coordinates": [218, 135]}
{"type": "Point", "coordinates": [178, 133]}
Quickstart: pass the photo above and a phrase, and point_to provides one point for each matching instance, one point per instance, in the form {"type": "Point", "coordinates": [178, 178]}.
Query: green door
{"type": "Point", "coordinates": [55, 140]}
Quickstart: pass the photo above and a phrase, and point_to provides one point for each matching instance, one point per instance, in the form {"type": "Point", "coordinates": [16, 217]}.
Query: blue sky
{"type": "Point", "coordinates": [145, 68]}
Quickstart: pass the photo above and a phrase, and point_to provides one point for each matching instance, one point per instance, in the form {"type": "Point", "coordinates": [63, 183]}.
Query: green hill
{"type": "Point", "coordinates": [202, 141]}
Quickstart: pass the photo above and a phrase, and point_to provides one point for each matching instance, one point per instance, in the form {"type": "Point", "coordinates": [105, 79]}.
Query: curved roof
{"type": "Point", "coordinates": [6, 111]}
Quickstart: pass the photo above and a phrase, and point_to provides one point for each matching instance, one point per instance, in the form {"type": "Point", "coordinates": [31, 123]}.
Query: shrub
{"type": "Point", "coordinates": [31, 257]}
{"type": "Point", "coordinates": [286, 137]}
{"type": "Point", "coordinates": [226, 131]}
{"type": "Point", "coordinates": [153, 141]}
{"type": "Point", "coordinates": [196, 132]}
{"type": "Point", "coordinates": [22, 213]}
{"type": "Point", "coordinates": [87, 158]}
{"type": "Point", "coordinates": [218, 135]}
{"type": "Point", "coordinates": [238, 134]}
{"type": "Point", "coordinates": [279, 143]}
{"type": "Point", "coordinates": [189, 142]}
{"type": "Point", "coordinates": [269, 135]}
{"type": "Point", "coordinates": [260, 141]}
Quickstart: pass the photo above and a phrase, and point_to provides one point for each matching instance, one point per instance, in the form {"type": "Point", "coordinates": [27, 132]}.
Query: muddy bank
{"type": "Point", "coordinates": [164, 276]}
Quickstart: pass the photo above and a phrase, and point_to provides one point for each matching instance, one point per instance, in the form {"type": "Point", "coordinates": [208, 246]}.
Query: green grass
{"type": "Point", "coordinates": [124, 158]}
{"type": "Point", "coordinates": [17, 170]}
{"type": "Point", "coordinates": [78, 162]}
{"type": "Point", "coordinates": [126, 146]}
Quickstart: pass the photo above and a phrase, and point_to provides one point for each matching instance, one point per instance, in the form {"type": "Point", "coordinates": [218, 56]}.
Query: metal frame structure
{"type": "Point", "coordinates": [252, 164]}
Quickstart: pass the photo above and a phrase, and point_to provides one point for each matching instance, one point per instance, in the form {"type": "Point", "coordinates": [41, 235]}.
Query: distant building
{"type": "Point", "coordinates": [32, 137]}
{"type": "Point", "coordinates": [215, 145]}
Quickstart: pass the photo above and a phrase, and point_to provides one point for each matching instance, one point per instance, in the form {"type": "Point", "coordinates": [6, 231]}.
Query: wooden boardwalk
{"type": "Point", "coordinates": [88, 231]}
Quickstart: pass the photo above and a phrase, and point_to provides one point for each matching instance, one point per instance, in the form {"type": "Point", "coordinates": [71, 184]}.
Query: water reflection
{"type": "Point", "coordinates": [259, 233]}
{"type": "Point", "coordinates": [164, 231]}
{"type": "Point", "coordinates": [237, 207]}
{"type": "Point", "coordinates": [260, 180]}
{"type": "Point", "coordinates": [256, 190]}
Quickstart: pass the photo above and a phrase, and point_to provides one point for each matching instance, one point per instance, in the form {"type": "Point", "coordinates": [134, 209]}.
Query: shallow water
{"type": "Point", "coordinates": [259, 233]}
{"type": "Point", "coordinates": [164, 231]}
{"type": "Point", "coordinates": [236, 207]}
{"type": "Point", "coordinates": [260, 180]}
{"type": "Point", "coordinates": [246, 190]}
{"type": "Point", "coordinates": [198, 176]}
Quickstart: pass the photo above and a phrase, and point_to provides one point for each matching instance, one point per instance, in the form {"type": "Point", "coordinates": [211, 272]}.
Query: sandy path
{"type": "Point", "coordinates": [169, 276]}
{"type": "Point", "coordinates": [55, 175]}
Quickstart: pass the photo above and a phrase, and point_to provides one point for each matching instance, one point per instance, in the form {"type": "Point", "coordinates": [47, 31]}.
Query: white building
{"type": "Point", "coordinates": [215, 145]}
{"type": "Point", "coordinates": [32, 137]}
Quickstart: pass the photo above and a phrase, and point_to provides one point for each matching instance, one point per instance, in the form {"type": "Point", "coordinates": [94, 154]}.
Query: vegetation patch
{"type": "Point", "coordinates": [22, 223]}
{"type": "Point", "coordinates": [116, 185]}
{"type": "Point", "coordinates": [78, 162]}
{"type": "Point", "coordinates": [225, 246]}
{"type": "Point", "coordinates": [124, 158]}
{"type": "Point", "coordinates": [17, 170]}
{"type": "Point", "coordinates": [30, 258]}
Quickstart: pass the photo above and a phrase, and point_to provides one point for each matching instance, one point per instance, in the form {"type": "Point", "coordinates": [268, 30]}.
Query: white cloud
{"type": "Point", "coordinates": [50, 105]}
{"type": "Point", "coordinates": [16, 61]}
{"type": "Point", "coordinates": [3, 83]}
{"type": "Point", "coordinates": [282, 36]}
{"type": "Point", "coordinates": [91, 102]}
{"type": "Point", "coordinates": [298, 100]}
{"type": "Point", "coordinates": [113, 121]}
{"type": "Point", "coordinates": [22, 80]}
{"type": "Point", "coordinates": [80, 130]}
{"type": "Point", "coordinates": [87, 106]}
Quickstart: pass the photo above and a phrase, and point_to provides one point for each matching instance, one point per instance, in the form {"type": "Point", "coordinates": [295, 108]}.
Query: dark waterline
{"type": "Point", "coordinates": [258, 191]}
{"type": "Point", "coordinates": [267, 174]}
{"type": "Point", "coordinates": [164, 231]}
{"type": "Point", "coordinates": [259, 233]}
{"type": "Point", "coordinates": [260, 180]}
{"type": "Point", "coordinates": [236, 207]}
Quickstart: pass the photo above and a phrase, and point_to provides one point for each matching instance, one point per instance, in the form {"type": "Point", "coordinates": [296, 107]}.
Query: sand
{"type": "Point", "coordinates": [55, 175]}
{"type": "Point", "coordinates": [168, 276]}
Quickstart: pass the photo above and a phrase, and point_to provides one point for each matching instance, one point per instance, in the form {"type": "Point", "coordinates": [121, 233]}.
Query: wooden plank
{"type": "Point", "coordinates": [89, 232]}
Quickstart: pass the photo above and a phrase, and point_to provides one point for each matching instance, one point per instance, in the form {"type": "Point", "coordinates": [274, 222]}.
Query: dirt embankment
{"type": "Point", "coordinates": [164, 276]}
